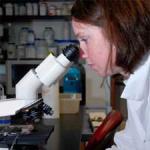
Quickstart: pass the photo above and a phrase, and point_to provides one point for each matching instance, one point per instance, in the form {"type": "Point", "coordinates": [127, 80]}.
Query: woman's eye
{"type": "Point", "coordinates": [83, 40]}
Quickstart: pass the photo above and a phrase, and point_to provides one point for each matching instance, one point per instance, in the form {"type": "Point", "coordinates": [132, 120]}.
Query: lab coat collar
{"type": "Point", "coordinates": [137, 85]}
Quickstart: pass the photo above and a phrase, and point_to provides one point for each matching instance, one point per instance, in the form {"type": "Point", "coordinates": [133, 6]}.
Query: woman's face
{"type": "Point", "coordinates": [95, 48]}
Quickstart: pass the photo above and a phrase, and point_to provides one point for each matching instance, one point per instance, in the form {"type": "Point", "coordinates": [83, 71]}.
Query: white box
{"type": "Point", "coordinates": [69, 103]}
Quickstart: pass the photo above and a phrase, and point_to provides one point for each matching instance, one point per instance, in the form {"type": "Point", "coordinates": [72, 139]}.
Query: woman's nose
{"type": "Point", "coordinates": [83, 54]}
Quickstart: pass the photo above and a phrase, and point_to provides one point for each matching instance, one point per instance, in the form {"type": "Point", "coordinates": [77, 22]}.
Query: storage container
{"type": "Point", "coordinates": [72, 81]}
{"type": "Point", "coordinates": [49, 35]}
{"type": "Point", "coordinates": [8, 9]}
{"type": "Point", "coordinates": [41, 48]}
{"type": "Point", "coordinates": [23, 34]}
{"type": "Point", "coordinates": [30, 51]}
{"type": "Point", "coordinates": [42, 9]}
{"type": "Point", "coordinates": [11, 50]}
{"type": "Point", "coordinates": [69, 103]}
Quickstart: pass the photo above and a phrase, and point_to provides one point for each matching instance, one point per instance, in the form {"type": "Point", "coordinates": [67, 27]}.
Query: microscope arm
{"type": "Point", "coordinates": [47, 73]}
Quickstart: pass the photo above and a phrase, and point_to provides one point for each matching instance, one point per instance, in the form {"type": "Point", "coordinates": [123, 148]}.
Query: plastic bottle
{"type": "Point", "coordinates": [35, 9]}
{"type": "Point", "coordinates": [22, 9]}
{"type": "Point", "coordinates": [31, 36]}
{"type": "Point", "coordinates": [21, 51]}
{"type": "Point", "coordinates": [29, 8]}
{"type": "Point", "coordinates": [72, 81]}
{"type": "Point", "coordinates": [8, 9]}
{"type": "Point", "coordinates": [51, 10]}
{"type": "Point", "coordinates": [11, 50]}
{"type": "Point", "coordinates": [23, 35]}
{"type": "Point", "coordinates": [65, 9]}
{"type": "Point", "coordinates": [16, 9]}
{"type": "Point", "coordinates": [30, 50]}
{"type": "Point", "coordinates": [42, 9]}
{"type": "Point", "coordinates": [1, 11]}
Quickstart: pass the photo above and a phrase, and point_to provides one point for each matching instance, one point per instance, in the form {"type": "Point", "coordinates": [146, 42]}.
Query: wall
{"type": "Point", "coordinates": [95, 95]}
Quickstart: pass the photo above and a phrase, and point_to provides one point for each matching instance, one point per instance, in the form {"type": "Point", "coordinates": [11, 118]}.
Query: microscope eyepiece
{"type": "Point", "coordinates": [71, 52]}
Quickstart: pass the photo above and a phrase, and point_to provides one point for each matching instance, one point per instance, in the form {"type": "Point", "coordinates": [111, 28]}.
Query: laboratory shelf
{"type": "Point", "coordinates": [32, 1]}
{"type": "Point", "coordinates": [31, 18]}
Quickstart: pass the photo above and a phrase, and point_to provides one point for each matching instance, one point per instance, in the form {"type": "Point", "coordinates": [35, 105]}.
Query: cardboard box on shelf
{"type": "Point", "coordinates": [69, 103]}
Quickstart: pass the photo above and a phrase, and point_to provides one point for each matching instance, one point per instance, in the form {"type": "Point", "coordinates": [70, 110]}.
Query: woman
{"type": "Point", "coordinates": [114, 37]}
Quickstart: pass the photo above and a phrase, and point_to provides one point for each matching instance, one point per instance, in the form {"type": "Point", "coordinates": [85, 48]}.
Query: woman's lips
{"type": "Point", "coordinates": [92, 66]}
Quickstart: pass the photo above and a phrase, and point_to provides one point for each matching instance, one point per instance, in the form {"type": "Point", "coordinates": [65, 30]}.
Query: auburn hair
{"type": "Point", "coordinates": [126, 24]}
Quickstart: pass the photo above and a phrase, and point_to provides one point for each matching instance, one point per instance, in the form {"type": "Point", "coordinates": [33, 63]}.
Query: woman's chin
{"type": "Point", "coordinates": [101, 74]}
{"type": "Point", "coordinates": [104, 74]}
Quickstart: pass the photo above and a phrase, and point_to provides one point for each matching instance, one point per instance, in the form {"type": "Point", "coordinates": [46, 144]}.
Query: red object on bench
{"type": "Point", "coordinates": [104, 133]}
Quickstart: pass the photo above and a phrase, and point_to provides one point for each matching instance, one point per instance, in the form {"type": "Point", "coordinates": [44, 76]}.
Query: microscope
{"type": "Point", "coordinates": [50, 70]}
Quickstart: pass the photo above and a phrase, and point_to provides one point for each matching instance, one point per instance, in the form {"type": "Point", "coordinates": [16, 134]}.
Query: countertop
{"type": "Point", "coordinates": [66, 134]}
{"type": "Point", "coordinates": [69, 131]}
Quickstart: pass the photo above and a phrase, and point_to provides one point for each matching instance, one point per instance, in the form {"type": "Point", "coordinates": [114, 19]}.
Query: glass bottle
{"type": "Point", "coordinates": [41, 48]}
{"type": "Point", "coordinates": [22, 9]}
{"type": "Point", "coordinates": [11, 50]}
{"type": "Point", "coordinates": [1, 11]}
{"type": "Point", "coordinates": [31, 36]}
{"type": "Point", "coordinates": [8, 9]}
{"type": "Point", "coordinates": [35, 9]}
{"type": "Point", "coordinates": [65, 9]}
{"type": "Point", "coordinates": [42, 9]}
{"type": "Point", "coordinates": [30, 50]}
{"type": "Point", "coordinates": [21, 51]}
{"type": "Point", "coordinates": [48, 35]}
{"type": "Point", "coordinates": [23, 35]}
{"type": "Point", "coordinates": [29, 9]}
{"type": "Point", "coordinates": [16, 9]}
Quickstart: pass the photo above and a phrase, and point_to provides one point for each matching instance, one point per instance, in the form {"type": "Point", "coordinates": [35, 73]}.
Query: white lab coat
{"type": "Point", "coordinates": [136, 135]}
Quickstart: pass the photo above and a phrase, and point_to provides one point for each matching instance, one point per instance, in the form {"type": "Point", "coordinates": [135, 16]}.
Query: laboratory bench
{"type": "Point", "coordinates": [71, 129]}
{"type": "Point", "coordinates": [65, 133]}
{"type": "Point", "coordinates": [58, 134]}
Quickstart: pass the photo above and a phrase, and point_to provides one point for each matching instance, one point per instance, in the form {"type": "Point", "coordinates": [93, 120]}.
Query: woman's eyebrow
{"type": "Point", "coordinates": [79, 34]}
